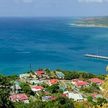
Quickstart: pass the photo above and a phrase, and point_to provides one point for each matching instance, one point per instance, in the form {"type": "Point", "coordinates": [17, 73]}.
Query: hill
{"type": "Point", "coordinates": [92, 22]}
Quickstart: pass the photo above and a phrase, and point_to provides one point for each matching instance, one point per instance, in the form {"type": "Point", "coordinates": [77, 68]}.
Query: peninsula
{"type": "Point", "coordinates": [92, 22]}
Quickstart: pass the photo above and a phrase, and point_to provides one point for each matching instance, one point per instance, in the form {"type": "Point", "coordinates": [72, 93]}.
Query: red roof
{"type": "Point", "coordinates": [37, 87]}
{"type": "Point", "coordinates": [64, 95]}
{"type": "Point", "coordinates": [96, 80]}
{"type": "Point", "coordinates": [40, 72]}
{"type": "Point", "coordinates": [79, 82]}
{"type": "Point", "coordinates": [19, 97]}
{"type": "Point", "coordinates": [53, 81]}
{"type": "Point", "coordinates": [94, 95]}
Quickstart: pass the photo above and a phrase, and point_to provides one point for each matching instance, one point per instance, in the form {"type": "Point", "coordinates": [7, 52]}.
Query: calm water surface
{"type": "Point", "coordinates": [50, 43]}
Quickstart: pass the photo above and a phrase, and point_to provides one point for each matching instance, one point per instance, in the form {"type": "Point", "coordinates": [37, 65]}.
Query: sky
{"type": "Point", "coordinates": [53, 8]}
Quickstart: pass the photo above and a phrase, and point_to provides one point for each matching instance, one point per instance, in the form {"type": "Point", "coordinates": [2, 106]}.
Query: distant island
{"type": "Point", "coordinates": [92, 22]}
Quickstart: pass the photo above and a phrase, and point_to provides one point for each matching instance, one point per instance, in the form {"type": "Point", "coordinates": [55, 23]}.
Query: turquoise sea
{"type": "Point", "coordinates": [50, 43]}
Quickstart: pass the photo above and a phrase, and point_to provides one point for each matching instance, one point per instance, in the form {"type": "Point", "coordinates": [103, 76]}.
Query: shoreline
{"type": "Point", "coordinates": [66, 70]}
{"type": "Point", "coordinates": [89, 25]}
{"type": "Point", "coordinates": [70, 70]}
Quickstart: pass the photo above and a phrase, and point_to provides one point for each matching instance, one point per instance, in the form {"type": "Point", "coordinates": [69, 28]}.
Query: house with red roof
{"type": "Point", "coordinates": [19, 98]}
{"type": "Point", "coordinates": [53, 81]}
{"type": "Point", "coordinates": [79, 83]}
{"type": "Point", "coordinates": [39, 72]}
{"type": "Point", "coordinates": [96, 80]}
{"type": "Point", "coordinates": [36, 88]}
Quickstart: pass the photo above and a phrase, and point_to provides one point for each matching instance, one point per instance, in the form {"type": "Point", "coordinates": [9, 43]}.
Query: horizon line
{"type": "Point", "coordinates": [52, 16]}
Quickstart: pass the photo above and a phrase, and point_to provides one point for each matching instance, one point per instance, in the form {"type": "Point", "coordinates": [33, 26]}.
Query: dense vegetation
{"type": "Point", "coordinates": [68, 75]}
{"type": "Point", "coordinates": [59, 102]}
{"type": "Point", "coordinates": [5, 84]}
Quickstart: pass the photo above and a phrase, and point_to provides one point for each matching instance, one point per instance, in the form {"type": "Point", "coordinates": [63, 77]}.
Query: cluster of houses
{"type": "Point", "coordinates": [70, 88]}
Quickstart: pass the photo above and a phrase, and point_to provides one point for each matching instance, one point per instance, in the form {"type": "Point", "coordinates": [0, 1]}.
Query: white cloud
{"type": "Point", "coordinates": [92, 1]}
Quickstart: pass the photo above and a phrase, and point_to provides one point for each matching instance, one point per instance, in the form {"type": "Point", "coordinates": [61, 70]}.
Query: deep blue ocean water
{"type": "Point", "coordinates": [50, 43]}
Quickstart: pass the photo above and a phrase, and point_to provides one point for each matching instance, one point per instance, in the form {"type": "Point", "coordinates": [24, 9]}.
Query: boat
{"type": "Point", "coordinates": [96, 56]}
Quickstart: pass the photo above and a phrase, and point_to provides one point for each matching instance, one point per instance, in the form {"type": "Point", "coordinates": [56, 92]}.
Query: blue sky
{"type": "Point", "coordinates": [33, 8]}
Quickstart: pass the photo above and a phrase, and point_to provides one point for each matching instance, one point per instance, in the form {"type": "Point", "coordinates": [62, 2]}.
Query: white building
{"type": "Point", "coordinates": [75, 96]}
{"type": "Point", "coordinates": [35, 81]}
{"type": "Point", "coordinates": [26, 75]}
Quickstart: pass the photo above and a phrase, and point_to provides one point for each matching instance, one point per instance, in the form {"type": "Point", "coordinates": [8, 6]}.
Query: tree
{"type": "Point", "coordinates": [63, 102]}
{"type": "Point", "coordinates": [53, 88]}
{"type": "Point", "coordinates": [20, 105]}
{"type": "Point", "coordinates": [26, 88]}
{"type": "Point", "coordinates": [12, 77]}
{"type": "Point", "coordinates": [101, 101]}
{"type": "Point", "coordinates": [5, 88]}
{"type": "Point", "coordinates": [37, 104]}
{"type": "Point", "coordinates": [90, 99]}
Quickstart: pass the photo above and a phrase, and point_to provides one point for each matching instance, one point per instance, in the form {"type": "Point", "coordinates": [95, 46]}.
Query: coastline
{"type": "Point", "coordinates": [89, 25]}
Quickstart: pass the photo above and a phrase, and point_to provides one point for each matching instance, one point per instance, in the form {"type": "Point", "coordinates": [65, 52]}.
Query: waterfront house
{"type": "Point", "coordinates": [19, 98]}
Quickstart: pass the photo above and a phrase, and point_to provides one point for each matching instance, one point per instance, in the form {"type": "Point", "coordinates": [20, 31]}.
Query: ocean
{"type": "Point", "coordinates": [50, 43]}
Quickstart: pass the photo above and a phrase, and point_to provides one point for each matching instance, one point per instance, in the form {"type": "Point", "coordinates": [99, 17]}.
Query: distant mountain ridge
{"type": "Point", "coordinates": [92, 22]}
